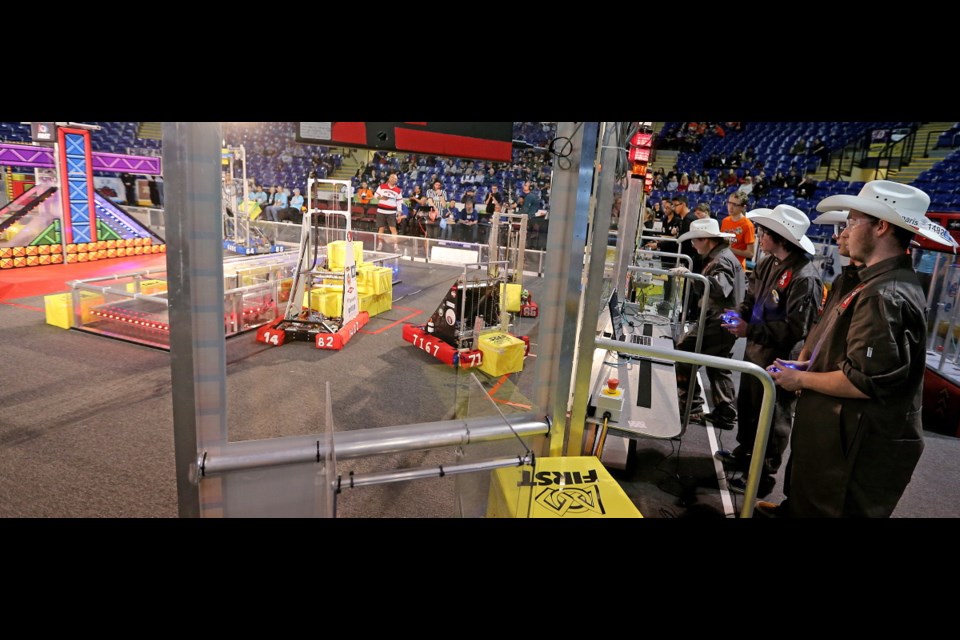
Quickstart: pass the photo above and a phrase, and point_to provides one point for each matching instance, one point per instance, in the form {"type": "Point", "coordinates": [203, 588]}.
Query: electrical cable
{"type": "Point", "coordinates": [563, 152]}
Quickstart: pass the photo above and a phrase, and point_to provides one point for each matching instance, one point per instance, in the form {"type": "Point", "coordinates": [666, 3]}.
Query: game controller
{"type": "Point", "coordinates": [775, 369]}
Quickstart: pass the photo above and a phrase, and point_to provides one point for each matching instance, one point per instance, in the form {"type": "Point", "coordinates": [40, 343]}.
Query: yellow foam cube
{"type": "Point", "coordinates": [511, 293]}
{"type": "Point", "coordinates": [384, 301]}
{"type": "Point", "coordinates": [327, 301]}
{"type": "Point", "coordinates": [502, 353]}
{"type": "Point", "coordinates": [380, 279]}
{"type": "Point", "coordinates": [368, 303]}
{"type": "Point", "coordinates": [375, 304]}
{"type": "Point", "coordinates": [59, 308]}
{"type": "Point", "coordinates": [336, 254]}
{"type": "Point", "coordinates": [149, 287]}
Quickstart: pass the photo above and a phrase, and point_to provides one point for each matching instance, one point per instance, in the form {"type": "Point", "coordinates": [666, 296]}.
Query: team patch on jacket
{"type": "Point", "coordinates": [784, 279]}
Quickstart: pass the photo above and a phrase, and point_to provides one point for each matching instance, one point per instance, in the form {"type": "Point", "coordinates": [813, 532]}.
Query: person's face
{"type": "Point", "coordinates": [680, 208]}
{"type": "Point", "coordinates": [843, 247]}
{"type": "Point", "coordinates": [859, 235]}
{"type": "Point", "coordinates": [766, 243]}
{"type": "Point", "coordinates": [493, 188]}
{"type": "Point", "coordinates": [702, 245]}
{"type": "Point", "coordinates": [667, 208]}
{"type": "Point", "coordinates": [734, 208]}
{"type": "Point", "coordinates": [701, 214]}
{"type": "Point", "coordinates": [437, 186]}
{"type": "Point", "coordinates": [526, 188]}
{"type": "Point", "coordinates": [392, 180]}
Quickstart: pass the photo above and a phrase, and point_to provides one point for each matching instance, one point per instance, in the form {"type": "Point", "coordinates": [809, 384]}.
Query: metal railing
{"type": "Point", "coordinates": [378, 441]}
{"type": "Point", "coordinates": [700, 325]}
{"type": "Point", "coordinates": [766, 404]}
{"type": "Point", "coordinates": [926, 143]}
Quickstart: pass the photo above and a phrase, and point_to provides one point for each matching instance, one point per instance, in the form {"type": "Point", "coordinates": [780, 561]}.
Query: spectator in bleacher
{"type": "Point", "coordinates": [417, 198]}
{"type": "Point", "coordinates": [684, 183]}
{"type": "Point", "coordinates": [281, 200]}
{"type": "Point", "coordinates": [779, 181]}
{"type": "Point", "coordinates": [806, 188]}
{"type": "Point", "coordinates": [296, 200]}
{"type": "Point", "coordinates": [467, 223]}
{"type": "Point", "coordinates": [448, 215]}
{"type": "Point", "coordinates": [702, 211]}
{"type": "Point", "coordinates": [696, 185]}
{"type": "Point", "coordinates": [736, 159]}
{"type": "Point", "coordinates": [800, 146]}
{"type": "Point", "coordinates": [744, 242]}
{"type": "Point", "coordinates": [746, 187]}
{"type": "Point", "coordinates": [672, 182]}
{"type": "Point", "coordinates": [819, 149]}
{"type": "Point", "coordinates": [259, 195]}
{"type": "Point", "coordinates": [731, 179]}
{"type": "Point", "coordinates": [438, 194]}
{"type": "Point", "coordinates": [760, 186]}
{"type": "Point", "coordinates": [469, 196]}
{"type": "Point", "coordinates": [793, 179]}
{"type": "Point", "coordinates": [431, 222]}
{"type": "Point", "coordinates": [267, 201]}
{"type": "Point", "coordinates": [364, 194]}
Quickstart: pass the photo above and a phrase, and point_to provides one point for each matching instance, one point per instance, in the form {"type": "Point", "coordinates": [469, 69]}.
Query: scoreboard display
{"type": "Point", "coordinates": [474, 140]}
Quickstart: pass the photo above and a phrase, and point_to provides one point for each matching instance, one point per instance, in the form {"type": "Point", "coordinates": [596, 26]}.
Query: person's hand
{"type": "Point", "coordinates": [732, 322]}
{"type": "Point", "coordinates": [799, 365]}
{"type": "Point", "coordinates": [787, 378]}
{"type": "Point", "coordinates": [679, 270]}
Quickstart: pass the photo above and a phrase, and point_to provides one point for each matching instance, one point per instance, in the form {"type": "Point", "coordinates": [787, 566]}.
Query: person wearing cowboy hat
{"type": "Point", "coordinates": [783, 299]}
{"type": "Point", "coordinates": [727, 288]}
{"type": "Point", "coordinates": [843, 283]}
{"type": "Point", "coordinates": [857, 432]}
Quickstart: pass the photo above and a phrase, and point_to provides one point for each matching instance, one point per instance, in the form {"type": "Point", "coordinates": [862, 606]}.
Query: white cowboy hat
{"type": "Point", "coordinates": [899, 204]}
{"type": "Point", "coordinates": [706, 228]}
{"type": "Point", "coordinates": [945, 235]}
{"type": "Point", "coordinates": [831, 217]}
{"type": "Point", "coordinates": [788, 222]}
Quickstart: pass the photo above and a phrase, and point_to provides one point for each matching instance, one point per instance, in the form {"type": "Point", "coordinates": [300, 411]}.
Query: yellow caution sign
{"type": "Point", "coordinates": [559, 487]}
